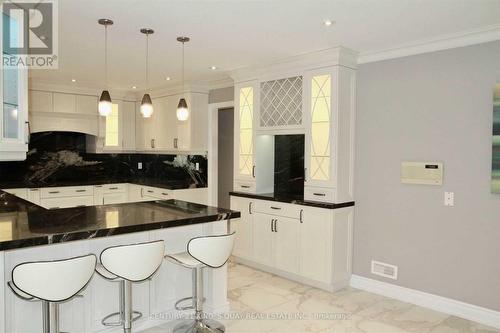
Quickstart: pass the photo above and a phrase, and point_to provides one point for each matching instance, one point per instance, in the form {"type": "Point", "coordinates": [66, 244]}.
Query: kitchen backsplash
{"type": "Point", "coordinates": [289, 166]}
{"type": "Point", "coordinates": [60, 158]}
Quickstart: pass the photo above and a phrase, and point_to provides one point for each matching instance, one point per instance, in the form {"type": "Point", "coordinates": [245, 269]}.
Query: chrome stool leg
{"type": "Point", "coordinates": [126, 316]}
{"type": "Point", "coordinates": [50, 317]}
{"type": "Point", "coordinates": [200, 324]}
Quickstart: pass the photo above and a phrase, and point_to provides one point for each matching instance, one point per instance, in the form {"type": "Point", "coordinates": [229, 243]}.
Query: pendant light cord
{"type": "Point", "coordinates": [147, 62]}
{"type": "Point", "coordinates": [183, 68]}
{"type": "Point", "coordinates": [106, 55]}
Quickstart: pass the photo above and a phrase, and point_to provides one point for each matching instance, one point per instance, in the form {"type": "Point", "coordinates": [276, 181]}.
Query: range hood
{"type": "Point", "coordinates": [64, 122]}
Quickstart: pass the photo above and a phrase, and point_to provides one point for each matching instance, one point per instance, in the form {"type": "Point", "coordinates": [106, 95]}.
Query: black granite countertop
{"type": "Point", "coordinates": [169, 185]}
{"type": "Point", "coordinates": [293, 200]}
{"type": "Point", "coordinates": [24, 224]}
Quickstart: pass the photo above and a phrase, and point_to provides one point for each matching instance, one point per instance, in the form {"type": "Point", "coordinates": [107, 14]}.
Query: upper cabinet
{"type": "Point", "coordinates": [312, 95]}
{"type": "Point", "coordinates": [14, 126]}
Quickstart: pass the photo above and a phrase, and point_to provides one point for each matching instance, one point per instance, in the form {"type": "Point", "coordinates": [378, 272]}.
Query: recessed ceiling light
{"type": "Point", "coordinates": [73, 80]}
{"type": "Point", "coordinates": [328, 22]}
{"type": "Point", "coordinates": [213, 68]}
{"type": "Point", "coordinates": [134, 87]}
{"type": "Point", "coordinates": [167, 78]}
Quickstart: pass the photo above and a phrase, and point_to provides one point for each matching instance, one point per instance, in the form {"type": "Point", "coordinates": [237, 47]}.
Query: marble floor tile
{"type": "Point", "coordinates": [264, 303]}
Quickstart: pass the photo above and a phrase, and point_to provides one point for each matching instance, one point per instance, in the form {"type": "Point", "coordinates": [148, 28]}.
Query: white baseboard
{"type": "Point", "coordinates": [438, 303]}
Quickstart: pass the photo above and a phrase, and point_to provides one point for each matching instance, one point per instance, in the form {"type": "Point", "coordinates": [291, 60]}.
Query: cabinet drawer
{"type": "Point", "coordinates": [319, 194]}
{"type": "Point", "coordinates": [55, 203]}
{"type": "Point", "coordinates": [114, 188]}
{"type": "Point", "coordinates": [276, 208]}
{"type": "Point", "coordinates": [243, 186]}
{"type": "Point", "coordinates": [157, 193]}
{"type": "Point", "coordinates": [67, 191]}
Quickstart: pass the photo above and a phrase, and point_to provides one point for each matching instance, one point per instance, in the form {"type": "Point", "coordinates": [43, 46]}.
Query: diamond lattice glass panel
{"type": "Point", "coordinates": [320, 127]}
{"type": "Point", "coordinates": [281, 102]}
{"type": "Point", "coordinates": [246, 133]}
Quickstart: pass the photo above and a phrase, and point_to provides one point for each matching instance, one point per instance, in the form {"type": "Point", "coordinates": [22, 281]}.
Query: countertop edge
{"type": "Point", "coordinates": [316, 204]}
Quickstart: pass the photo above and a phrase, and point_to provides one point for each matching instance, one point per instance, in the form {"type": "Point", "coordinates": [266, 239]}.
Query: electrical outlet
{"type": "Point", "coordinates": [449, 199]}
{"type": "Point", "coordinates": [139, 165]}
{"type": "Point", "coordinates": [197, 166]}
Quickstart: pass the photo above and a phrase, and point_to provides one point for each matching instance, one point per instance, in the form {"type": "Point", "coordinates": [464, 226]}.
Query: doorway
{"type": "Point", "coordinates": [225, 147]}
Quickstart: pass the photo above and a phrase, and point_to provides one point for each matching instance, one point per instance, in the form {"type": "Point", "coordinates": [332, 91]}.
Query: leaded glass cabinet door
{"type": "Point", "coordinates": [244, 134]}
{"type": "Point", "coordinates": [13, 93]}
{"type": "Point", "coordinates": [320, 113]}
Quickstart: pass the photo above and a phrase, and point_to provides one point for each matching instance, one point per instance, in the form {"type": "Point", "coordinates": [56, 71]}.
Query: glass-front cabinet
{"type": "Point", "coordinates": [14, 126]}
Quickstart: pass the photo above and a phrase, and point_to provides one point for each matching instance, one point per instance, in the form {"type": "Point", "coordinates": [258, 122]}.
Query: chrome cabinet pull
{"type": "Point", "coordinates": [305, 174]}
{"type": "Point", "coordinates": [320, 194]}
{"type": "Point", "coordinates": [250, 208]}
{"type": "Point", "coordinates": [276, 225]}
{"type": "Point", "coordinates": [113, 188]}
{"type": "Point", "coordinates": [245, 186]}
{"type": "Point", "coordinates": [152, 143]}
{"type": "Point", "coordinates": [165, 193]}
{"type": "Point", "coordinates": [54, 192]}
{"type": "Point", "coordinates": [301, 215]}
{"type": "Point", "coordinates": [176, 143]}
{"type": "Point", "coordinates": [150, 191]}
{"type": "Point", "coordinates": [275, 208]}
{"type": "Point", "coordinates": [253, 171]}
{"type": "Point", "coordinates": [80, 191]}
{"type": "Point", "coordinates": [272, 225]}
{"type": "Point", "coordinates": [28, 134]}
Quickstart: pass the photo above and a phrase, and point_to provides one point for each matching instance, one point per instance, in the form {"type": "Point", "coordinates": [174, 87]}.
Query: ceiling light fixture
{"type": "Point", "coordinates": [327, 22]}
{"type": "Point", "coordinates": [182, 107]}
{"type": "Point", "coordinates": [213, 68]}
{"type": "Point", "coordinates": [105, 107]}
{"type": "Point", "coordinates": [73, 80]}
{"type": "Point", "coordinates": [167, 78]}
{"type": "Point", "coordinates": [134, 87]}
{"type": "Point", "coordinates": [146, 103]}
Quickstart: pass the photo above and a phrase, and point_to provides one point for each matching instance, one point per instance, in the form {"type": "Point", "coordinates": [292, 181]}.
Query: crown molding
{"type": "Point", "coordinates": [79, 90]}
{"type": "Point", "coordinates": [439, 43]}
{"type": "Point", "coordinates": [330, 57]}
{"type": "Point", "coordinates": [222, 83]}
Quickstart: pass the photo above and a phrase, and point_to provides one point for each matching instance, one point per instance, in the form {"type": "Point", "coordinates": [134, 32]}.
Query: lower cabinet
{"type": "Point", "coordinates": [308, 244]}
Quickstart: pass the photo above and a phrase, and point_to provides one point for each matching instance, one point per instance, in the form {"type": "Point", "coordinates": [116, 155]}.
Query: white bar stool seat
{"type": "Point", "coordinates": [202, 252]}
{"type": "Point", "coordinates": [129, 264]}
{"type": "Point", "coordinates": [52, 282]}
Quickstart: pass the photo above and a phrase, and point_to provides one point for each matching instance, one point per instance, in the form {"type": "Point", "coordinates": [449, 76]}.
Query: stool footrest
{"type": "Point", "coordinates": [136, 315]}
{"type": "Point", "coordinates": [184, 308]}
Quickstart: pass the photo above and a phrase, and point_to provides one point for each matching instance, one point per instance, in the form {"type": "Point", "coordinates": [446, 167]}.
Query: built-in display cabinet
{"type": "Point", "coordinates": [14, 126]}
{"type": "Point", "coordinates": [312, 95]}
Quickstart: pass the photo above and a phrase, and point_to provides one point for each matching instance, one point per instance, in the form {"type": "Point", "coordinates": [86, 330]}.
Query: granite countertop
{"type": "Point", "coordinates": [23, 224]}
{"type": "Point", "coordinates": [296, 200]}
{"type": "Point", "coordinates": [169, 185]}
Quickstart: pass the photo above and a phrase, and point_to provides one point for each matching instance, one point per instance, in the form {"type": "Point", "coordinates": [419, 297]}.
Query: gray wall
{"type": "Point", "coordinates": [436, 106]}
{"type": "Point", "coordinates": [221, 95]}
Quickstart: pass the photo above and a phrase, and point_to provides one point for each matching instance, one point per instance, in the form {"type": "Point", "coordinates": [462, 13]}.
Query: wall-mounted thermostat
{"type": "Point", "coordinates": [424, 173]}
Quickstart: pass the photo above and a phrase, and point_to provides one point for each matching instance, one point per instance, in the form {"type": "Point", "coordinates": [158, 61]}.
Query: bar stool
{"type": "Point", "coordinates": [127, 264]}
{"type": "Point", "coordinates": [52, 282]}
{"type": "Point", "coordinates": [208, 251]}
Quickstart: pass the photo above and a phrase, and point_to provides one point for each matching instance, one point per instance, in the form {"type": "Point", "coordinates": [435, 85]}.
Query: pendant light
{"type": "Point", "coordinates": [105, 107]}
{"type": "Point", "coordinates": [146, 103]}
{"type": "Point", "coordinates": [182, 107]}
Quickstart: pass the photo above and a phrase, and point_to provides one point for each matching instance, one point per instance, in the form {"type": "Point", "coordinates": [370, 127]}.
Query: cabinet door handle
{"type": "Point", "coordinates": [253, 171]}
{"type": "Point", "coordinates": [164, 193]}
{"type": "Point", "coordinates": [54, 192]}
{"type": "Point", "coordinates": [276, 225]}
{"type": "Point", "coordinates": [152, 143]}
{"type": "Point", "coordinates": [33, 190]}
{"type": "Point", "coordinates": [113, 188]}
{"type": "Point", "coordinates": [80, 191]}
{"type": "Point", "coordinates": [244, 186]}
{"type": "Point", "coordinates": [301, 215]}
{"type": "Point", "coordinates": [275, 208]}
{"type": "Point", "coordinates": [142, 192]}
{"type": "Point", "coordinates": [320, 194]}
{"type": "Point", "coordinates": [272, 226]}
{"type": "Point", "coordinates": [150, 191]}
{"type": "Point", "coordinates": [175, 143]}
{"type": "Point", "coordinates": [28, 133]}
{"type": "Point", "coordinates": [250, 208]}
{"type": "Point", "coordinates": [305, 174]}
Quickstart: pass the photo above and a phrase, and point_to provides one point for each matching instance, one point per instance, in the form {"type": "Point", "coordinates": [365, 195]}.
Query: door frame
{"type": "Point", "coordinates": [213, 149]}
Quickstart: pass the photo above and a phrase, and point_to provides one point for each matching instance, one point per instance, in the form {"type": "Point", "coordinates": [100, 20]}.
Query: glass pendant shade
{"type": "Point", "coordinates": [105, 105]}
{"type": "Point", "coordinates": [182, 110]}
{"type": "Point", "coordinates": [146, 106]}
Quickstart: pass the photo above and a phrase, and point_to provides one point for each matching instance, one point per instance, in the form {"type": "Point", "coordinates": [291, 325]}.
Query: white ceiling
{"type": "Point", "coordinates": [237, 33]}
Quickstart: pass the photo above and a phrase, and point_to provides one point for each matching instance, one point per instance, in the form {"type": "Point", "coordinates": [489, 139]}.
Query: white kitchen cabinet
{"type": "Point", "coordinates": [156, 193]}
{"type": "Point", "coordinates": [128, 126]}
{"type": "Point", "coordinates": [243, 226]}
{"type": "Point", "coordinates": [86, 104]}
{"type": "Point", "coordinates": [263, 238]}
{"type": "Point", "coordinates": [159, 132]}
{"type": "Point", "coordinates": [67, 202]}
{"type": "Point", "coordinates": [34, 195]}
{"type": "Point", "coordinates": [14, 126]}
{"type": "Point", "coordinates": [316, 240]}
{"type": "Point", "coordinates": [246, 103]}
{"type": "Point", "coordinates": [64, 103]}
{"type": "Point", "coordinates": [18, 192]}
{"type": "Point", "coordinates": [329, 144]}
{"type": "Point", "coordinates": [40, 101]}
{"type": "Point", "coordinates": [285, 249]}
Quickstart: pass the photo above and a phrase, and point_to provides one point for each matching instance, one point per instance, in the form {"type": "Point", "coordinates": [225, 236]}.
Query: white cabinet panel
{"type": "Point", "coordinates": [285, 249]}
{"type": "Point", "coordinates": [86, 104]}
{"type": "Point", "coordinates": [65, 103]}
{"type": "Point", "coordinates": [243, 244]}
{"type": "Point", "coordinates": [114, 198]}
{"type": "Point", "coordinates": [67, 202]}
{"type": "Point", "coordinates": [40, 101]}
{"type": "Point", "coordinates": [66, 191]}
{"type": "Point", "coordinates": [128, 126]}
{"type": "Point", "coordinates": [263, 237]}
{"type": "Point", "coordinates": [34, 195]}
{"type": "Point", "coordinates": [18, 192]}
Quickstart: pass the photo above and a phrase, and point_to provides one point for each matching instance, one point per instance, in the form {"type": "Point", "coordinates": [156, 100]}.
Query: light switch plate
{"type": "Point", "coordinates": [197, 166]}
{"type": "Point", "coordinates": [449, 199]}
{"type": "Point", "coordinates": [139, 165]}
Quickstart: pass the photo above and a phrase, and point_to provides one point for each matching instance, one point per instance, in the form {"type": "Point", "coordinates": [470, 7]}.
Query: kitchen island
{"type": "Point", "coordinates": [29, 232]}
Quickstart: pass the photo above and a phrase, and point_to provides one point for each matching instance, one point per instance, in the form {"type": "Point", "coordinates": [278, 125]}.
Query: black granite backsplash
{"type": "Point", "coordinates": [289, 166]}
{"type": "Point", "coordinates": [60, 158]}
